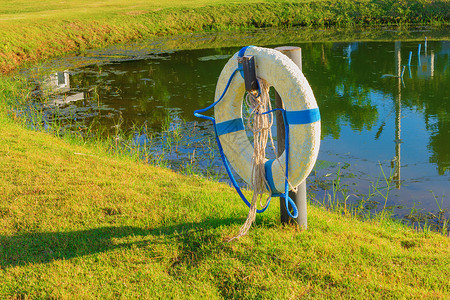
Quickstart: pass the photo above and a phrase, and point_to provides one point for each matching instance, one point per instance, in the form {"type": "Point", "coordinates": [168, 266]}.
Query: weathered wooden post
{"type": "Point", "coordinates": [299, 197]}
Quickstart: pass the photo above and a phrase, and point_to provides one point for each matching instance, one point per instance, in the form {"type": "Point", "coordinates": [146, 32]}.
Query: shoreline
{"type": "Point", "coordinates": [43, 37]}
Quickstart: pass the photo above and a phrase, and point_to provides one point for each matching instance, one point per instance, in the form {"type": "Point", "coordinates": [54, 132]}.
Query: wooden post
{"type": "Point", "coordinates": [295, 54]}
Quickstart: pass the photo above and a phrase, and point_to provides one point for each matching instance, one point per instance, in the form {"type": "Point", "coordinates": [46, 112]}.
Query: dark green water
{"type": "Point", "coordinates": [372, 121]}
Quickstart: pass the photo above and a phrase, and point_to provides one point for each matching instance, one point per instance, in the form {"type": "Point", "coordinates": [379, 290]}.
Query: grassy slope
{"type": "Point", "coordinates": [77, 221]}
{"type": "Point", "coordinates": [33, 30]}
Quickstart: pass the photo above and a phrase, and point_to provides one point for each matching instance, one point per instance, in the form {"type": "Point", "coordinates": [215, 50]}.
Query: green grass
{"type": "Point", "coordinates": [77, 222]}
{"type": "Point", "coordinates": [35, 30]}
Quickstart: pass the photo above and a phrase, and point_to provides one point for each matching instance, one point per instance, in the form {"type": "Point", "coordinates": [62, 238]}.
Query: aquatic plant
{"type": "Point", "coordinates": [373, 204]}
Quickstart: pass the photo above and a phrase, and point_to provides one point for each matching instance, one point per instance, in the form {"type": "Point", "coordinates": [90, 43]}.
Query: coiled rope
{"type": "Point", "coordinates": [259, 123]}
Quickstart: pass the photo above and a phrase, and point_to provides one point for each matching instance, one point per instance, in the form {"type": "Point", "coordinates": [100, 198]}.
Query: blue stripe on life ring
{"type": "Point", "coordinates": [230, 126]}
{"type": "Point", "coordinates": [269, 176]}
{"type": "Point", "coordinates": [303, 116]}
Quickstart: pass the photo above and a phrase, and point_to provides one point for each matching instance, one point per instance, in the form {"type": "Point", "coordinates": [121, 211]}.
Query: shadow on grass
{"type": "Point", "coordinates": [45, 247]}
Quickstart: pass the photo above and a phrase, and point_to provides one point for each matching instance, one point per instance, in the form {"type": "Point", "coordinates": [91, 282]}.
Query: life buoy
{"type": "Point", "coordinates": [301, 114]}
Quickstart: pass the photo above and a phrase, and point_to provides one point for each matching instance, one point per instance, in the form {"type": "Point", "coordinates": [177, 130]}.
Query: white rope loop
{"type": "Point", "coordinates": [238, 152]}
{"type": "Point", "coordinates": [260, 125]}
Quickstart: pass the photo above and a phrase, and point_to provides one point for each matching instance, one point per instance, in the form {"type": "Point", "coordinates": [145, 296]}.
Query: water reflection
{"type": "Point", "coordinates": [395, 164]}
{"type": "Point", "coordinates": [371, 110]}
{"type": "Point", "coordinates": [58, 84]}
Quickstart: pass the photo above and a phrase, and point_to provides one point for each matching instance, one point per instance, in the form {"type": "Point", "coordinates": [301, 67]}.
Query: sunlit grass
{"type": "Point", "coordinates": [31, 31]}
{"type": "Point", "coordinates": [79, 221]}
{"type": "Point", "coordinates": [74, 9]}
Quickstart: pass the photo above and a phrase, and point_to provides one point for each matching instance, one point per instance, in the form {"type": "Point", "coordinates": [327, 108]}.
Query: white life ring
{"type": "Point", "coordinates": [297, 96]}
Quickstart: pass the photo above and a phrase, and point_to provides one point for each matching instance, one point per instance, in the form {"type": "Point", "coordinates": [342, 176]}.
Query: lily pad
{"type": "Point", "coordinates": [324, 164]}
{"type": "Point", "coordinates": [213, 57]}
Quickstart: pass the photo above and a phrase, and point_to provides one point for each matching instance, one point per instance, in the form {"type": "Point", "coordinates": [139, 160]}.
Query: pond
{"type": "Point", "coordinates": [383, 114]}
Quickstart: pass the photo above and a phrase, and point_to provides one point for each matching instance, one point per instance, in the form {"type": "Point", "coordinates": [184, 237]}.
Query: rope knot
{"type": "Point", "coordinates": [260, 125]}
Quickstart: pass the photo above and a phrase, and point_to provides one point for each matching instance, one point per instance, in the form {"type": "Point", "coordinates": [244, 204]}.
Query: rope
{"type": "Point", "coordinates": [261, 115]}
{"type": "Point", "coordinates": [198, 113]}
{"type": "Point", "coordinates": [260, 124]}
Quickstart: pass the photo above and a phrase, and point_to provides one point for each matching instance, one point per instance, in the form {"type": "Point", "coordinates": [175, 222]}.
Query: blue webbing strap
{"type": "Point", "coordinates": [241, 53]}
{"type": "Point", "coordinates": [224, 128]}
{"type": "Point", "coordinates": [306, 116]}
{"type": "Point", "coordinates": [291, 117]}
{"type": "Point", "coordinates": [269, 176]}
{"type": "Point", "coordinates": [230, 126]}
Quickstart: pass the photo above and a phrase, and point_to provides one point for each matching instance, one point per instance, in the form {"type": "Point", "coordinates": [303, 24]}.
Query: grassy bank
{"type": "Point", "coordinates": [38, 30]}
{"type": "Point", "coordinates": [77, 222]}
